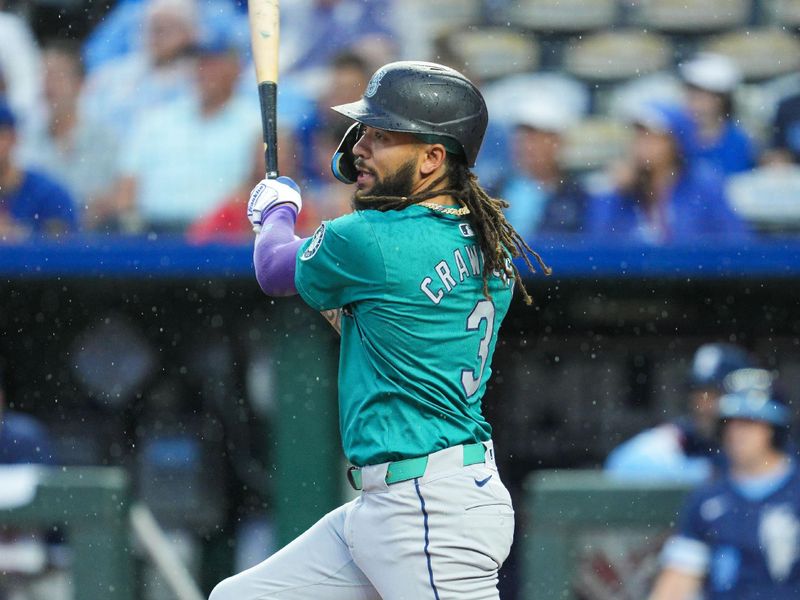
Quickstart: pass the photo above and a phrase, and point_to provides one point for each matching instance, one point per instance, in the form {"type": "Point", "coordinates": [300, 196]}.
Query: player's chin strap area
{"type": "Point", "coordinates": [343, 163]}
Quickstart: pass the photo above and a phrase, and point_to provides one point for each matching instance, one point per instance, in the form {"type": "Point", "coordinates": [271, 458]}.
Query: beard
{"type": "Point", "coordinates": [397, 185]}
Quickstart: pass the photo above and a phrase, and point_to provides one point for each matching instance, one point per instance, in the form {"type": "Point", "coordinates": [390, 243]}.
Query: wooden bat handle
{"type": "Point", "coordinates": [264, 17]}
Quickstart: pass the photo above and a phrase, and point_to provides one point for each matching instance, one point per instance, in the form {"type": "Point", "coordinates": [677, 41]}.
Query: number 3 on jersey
{"type": "Point", "coordinates": [483, 311]}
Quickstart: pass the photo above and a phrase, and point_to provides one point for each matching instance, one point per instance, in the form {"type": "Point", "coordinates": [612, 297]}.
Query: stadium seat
{"type": "Point", "coordinates": [693, 16]}
{"type": "Point", "coordinates": [430, 19]}
{"type": "Point", "coordinates": [562, 16]}
{"type": "Point", "coordinates": [785, 13]}
{"type": "Point", "coordinates": [444, 14]}
{"type": "Point", "coordinates": [761, 54]}
{"type": "Point", "coordinates": [767, 197]}
{"type": "Point", "coordinates": [617, 55]}
{"type": "Point", "coordinates": [593, 143]}
{"type": "Point", "coordinates": [488, 53]}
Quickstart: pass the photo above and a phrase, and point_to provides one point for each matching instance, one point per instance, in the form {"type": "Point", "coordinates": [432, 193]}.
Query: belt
{"type": "Point", "coordinates": [411, 468]}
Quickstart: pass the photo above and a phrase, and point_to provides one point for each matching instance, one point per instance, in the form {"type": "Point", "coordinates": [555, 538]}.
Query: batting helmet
{"type": "Point", "coordinates": [432, 101]}
{"type": "Point", "coordinates": [713, 362]}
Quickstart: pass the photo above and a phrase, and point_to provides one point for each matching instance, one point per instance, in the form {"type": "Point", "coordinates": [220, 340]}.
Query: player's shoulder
{"type": "Point", "coordinates": [371, 223]}
{"type": "Point", "coordinates": [352, 225]}
{"type": "Point", "coordinates": [349, 236]}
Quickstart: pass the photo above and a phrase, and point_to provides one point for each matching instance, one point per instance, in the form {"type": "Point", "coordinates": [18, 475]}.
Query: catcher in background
{"type": "Point", "coordinates": [739, 537]}
{"type": "Point", "coordinates": [418, 280]}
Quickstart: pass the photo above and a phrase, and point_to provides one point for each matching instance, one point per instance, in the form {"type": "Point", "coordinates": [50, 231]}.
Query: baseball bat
{"type": "Point", "coordinates": [264, 19]}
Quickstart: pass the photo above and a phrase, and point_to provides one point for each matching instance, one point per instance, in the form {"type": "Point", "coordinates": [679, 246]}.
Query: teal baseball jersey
{"type": "Point", "coordinates": [418, 334]}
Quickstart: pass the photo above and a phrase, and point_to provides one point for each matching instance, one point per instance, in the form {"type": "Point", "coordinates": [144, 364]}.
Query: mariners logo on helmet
{"type": "Point", "coordinates": [375, 82]}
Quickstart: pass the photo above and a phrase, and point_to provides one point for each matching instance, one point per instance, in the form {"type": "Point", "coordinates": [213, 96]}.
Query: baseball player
{"type": "Point", "coordinates": [684, 449]}
{"type": "Point", "coordinates": [417, 280]}
{"type": "Point", "coordinates": [739, 538]}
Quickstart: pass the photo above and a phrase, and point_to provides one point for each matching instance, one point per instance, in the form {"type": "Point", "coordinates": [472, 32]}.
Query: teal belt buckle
{"type": "Point", "coordinates": [354, 477]}
{"type": "Point", "coordinates": [411, 468]}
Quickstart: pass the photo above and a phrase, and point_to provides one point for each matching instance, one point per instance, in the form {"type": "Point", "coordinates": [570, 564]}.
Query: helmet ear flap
{"type": "Point", "coordinates": [343, 160]}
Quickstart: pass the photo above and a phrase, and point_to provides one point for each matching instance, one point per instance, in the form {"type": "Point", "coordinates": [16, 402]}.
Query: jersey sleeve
{"type": "Point", "coordinates": [687, 550]}
{"type": "Point", "coordinates": [341, 263]}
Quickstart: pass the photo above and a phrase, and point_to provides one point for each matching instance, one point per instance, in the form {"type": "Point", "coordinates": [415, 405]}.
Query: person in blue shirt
{"type": "Point", "coordinates": [23, 439]}
{"type": "Point", "coordinates": [784, 143]}
{"type": "Point", "coordinates": [661, 197]}
{"type": "Point", "coordinates": [30, 202]}
{"type": "Point", "coordinates": [684, 449]}
{"type": "Point", "coordinates": [738, 538]}
{"type": "Point", "coordinates": [543, 199]}
{"type": "Point", "coordinates": [722, 144]}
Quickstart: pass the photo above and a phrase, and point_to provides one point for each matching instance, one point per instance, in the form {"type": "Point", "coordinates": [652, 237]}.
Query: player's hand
{"type": "Point", "coordinates": [270, 193]}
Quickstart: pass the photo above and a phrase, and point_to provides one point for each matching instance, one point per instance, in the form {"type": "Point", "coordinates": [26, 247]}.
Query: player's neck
{"type": "Point", "coordinates": [771, 462]}
{"type": "Point", "coordinates": [422, 186]}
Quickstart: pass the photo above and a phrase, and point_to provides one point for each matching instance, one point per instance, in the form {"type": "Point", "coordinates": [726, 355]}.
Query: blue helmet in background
{"type": "Point", "coordinates": [751, 395]}
{"type": "Point", "coordinates": [754, 405]}
{"type": "Point", "coordinates": [712, 363]}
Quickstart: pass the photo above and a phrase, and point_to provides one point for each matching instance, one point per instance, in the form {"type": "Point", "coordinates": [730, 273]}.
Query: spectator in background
{"type": "Point", "coordinates": [30, 202]}
{"type": "Point", "coordinates": [544, 200]}
{"type": "Point", "coordinates": [328, 199]}
{"type": "Point", "coordinates": [162, 71]}
{"type": "Point", "coordinates": [495, 153]}
{"type": "Point", "coordinates": [313, 32]}
{"type": "Point", "coordinates": [685, 449]}
{"type": "Point", "coordinates": [739, 537]}
{"type": "Point", "coordinates": [73, 148]}
{"type": "Point", "coordinates": [346, 79]}
{"type": "Point", "coordinates": [319, 135]}
{"type": "Point", "coordinates": [120, 32]}
{"type": "Point", "coordinates": [186, 157]}
{"type": "Point", "coordinates": [23, 439]}
{"type": "Point", "coordinates": [722, 145]}
{"type": "Point", "coordinates": [224, 224]}
{"type": "Point", "coordinates": [785, 140]}
{"type": "Point", "coordinates": [659, 196]}
{"type": "Point", "coordinates": [20, 70]}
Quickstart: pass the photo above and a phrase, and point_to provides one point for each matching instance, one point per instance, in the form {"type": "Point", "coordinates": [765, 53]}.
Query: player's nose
{"type": "Point", "coordinates": [361, 147]}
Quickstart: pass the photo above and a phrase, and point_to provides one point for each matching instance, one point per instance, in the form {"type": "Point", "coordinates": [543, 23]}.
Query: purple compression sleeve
{"type": "Point", "coordinates": [275, 252]}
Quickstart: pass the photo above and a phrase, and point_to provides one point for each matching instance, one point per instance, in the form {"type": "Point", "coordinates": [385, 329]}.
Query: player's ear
{"type": "Point", "coordinates": [433, 157]}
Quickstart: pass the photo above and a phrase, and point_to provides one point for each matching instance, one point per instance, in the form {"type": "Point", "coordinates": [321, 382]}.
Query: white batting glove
{"type": "Point", "coordinates": [270, 193]}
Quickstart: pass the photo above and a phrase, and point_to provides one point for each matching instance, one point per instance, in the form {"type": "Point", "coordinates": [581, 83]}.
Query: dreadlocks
{"type": "Point", "coordinates": [497, 238]}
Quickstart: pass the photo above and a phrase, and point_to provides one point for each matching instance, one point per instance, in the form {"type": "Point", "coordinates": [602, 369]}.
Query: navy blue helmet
{"type": "Point", "coordinates": [713, 362]}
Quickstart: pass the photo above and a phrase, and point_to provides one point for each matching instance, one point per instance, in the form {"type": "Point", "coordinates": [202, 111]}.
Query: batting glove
{"type": "Point", "coordinates": [270, 193]}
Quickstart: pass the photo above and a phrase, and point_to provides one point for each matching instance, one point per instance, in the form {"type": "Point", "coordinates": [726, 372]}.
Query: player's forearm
{"type": "Point", "coordinates": [275, 252]}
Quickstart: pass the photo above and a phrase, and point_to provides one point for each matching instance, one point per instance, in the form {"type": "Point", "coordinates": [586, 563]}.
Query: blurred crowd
{"type": "Point", "coordinates": [150, 123]}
